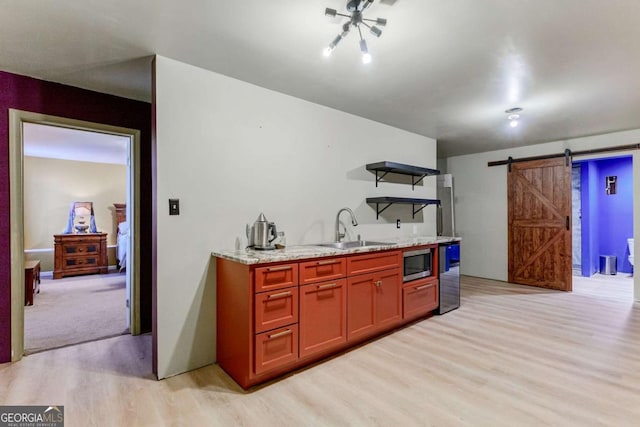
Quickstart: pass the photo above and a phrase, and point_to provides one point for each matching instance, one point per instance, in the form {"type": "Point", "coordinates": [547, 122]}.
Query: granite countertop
{"type": "Point", "coordinates": [291, 253]}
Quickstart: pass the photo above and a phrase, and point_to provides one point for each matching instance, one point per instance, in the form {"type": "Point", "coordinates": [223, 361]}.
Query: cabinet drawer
{"type": "Point", "coordinates": [276, 348]}
{"type": "Point", "coordinates": [275, 309]}
{"type": "Point", "coordinates": [322, 270]}
{"type": "Point", "coordinates": [81, 248]}
{"type": "Point", "coordinates": [368, 263]}
{"type": "Point", "coordinates": [71, 262]}
{"type": "Point", "coordinates": [276, 277]}
{"type": "Point", "coordinates": [420, 298]}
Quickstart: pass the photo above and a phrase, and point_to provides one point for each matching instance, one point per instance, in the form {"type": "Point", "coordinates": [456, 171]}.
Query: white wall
{"type": "Point", "coordinates": [230, 150]}
{"type": "Point", "coordinates": [481, 199]}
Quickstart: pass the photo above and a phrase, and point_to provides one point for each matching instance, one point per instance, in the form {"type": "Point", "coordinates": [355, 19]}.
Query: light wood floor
{"type": "Point", "coordinates": [510, 356]}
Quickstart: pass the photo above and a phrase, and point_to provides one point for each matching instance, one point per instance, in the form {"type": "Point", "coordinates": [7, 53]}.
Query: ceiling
{"type": "Point", "coordinates": [71, 144]}
{"type": "Point", "coordinates": [446, 69]}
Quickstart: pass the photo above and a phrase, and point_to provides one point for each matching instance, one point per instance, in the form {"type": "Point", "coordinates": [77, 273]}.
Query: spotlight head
{"type": "Point", "coordinates": [375, 31]}
{"type": "Point", "coordinates": [335, 41]}
{"type": "Point", "coordinates": [366, 56]}
{"type": "Point", "coordinates": [330, 12]}
{"type": "Point", "coordinates": [327, 51]}
{"type": "Point", "coordinates": [381, 21]}
{"type": "Point", "coordinates": [513, 123]}
{"type": "Point", "coordinates": [363, 46]}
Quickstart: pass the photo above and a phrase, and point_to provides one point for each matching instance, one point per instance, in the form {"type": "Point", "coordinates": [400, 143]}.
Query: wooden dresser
{"type": "Point", "coordinates": [80, 254]}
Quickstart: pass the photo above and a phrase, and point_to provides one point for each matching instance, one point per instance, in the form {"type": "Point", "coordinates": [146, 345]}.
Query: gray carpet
{"type": "Point", "coordinates": [74, 310]}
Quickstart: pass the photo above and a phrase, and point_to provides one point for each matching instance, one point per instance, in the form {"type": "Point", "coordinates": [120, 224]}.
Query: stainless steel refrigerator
{"type": "Point", "coordinates": [449, 277]}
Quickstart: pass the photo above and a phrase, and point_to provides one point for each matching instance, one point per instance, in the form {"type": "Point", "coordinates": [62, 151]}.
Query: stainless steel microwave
{"type": "Point", "coordinates": [417, 264]}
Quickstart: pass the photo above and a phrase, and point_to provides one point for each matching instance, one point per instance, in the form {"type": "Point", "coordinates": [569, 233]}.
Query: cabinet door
{"type": "Point", "coordinates": [388, 298]}
{"type": "Point", "coordinates": [323, 316]}
{"type": "Point", "coordinates": [361, 306]}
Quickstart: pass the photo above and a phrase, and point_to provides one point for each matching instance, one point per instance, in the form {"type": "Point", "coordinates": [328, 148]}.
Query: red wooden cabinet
{"type": "Point", "coordinates": [375, 297]}
{"type": "Point", "coordinates": [374, 302]}
{"type": "Point", "coordinates": [276, 318]}
{"type": "Point", "coordinates": [388, 293]}
{"type": "Point", "coordinates": [420, 297]}
{"type": "Point", "coordinates": [361, 306]}
{"type": "Point", "coordinates": [323, 316]}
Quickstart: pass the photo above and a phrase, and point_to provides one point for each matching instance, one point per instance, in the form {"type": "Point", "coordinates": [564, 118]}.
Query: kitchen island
{"type": "Point", "coordinates": [282, 309]}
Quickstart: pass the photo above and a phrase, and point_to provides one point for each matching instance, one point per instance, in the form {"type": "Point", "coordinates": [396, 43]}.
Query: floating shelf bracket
{"type": "Point", "coordinates": [416, 211]}
{"type": "Point", "coordinates": [379, 211]}
{"type": "Point", "coordinates": [379, 178]}
{"type": "Point", "coordinates": [415, 181]}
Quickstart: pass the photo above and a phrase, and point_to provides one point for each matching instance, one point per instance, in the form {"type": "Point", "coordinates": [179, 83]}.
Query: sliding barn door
{"type": "Point", "coordinates": [540, 223]}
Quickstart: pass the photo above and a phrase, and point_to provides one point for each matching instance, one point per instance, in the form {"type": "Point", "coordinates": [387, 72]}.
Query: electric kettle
{"type": "Point", "coordinates": [261, 234]}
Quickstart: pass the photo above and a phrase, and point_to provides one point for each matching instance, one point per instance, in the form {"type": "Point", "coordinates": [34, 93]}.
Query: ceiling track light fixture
{"type": "Point", "coordinates": [513, 116]}
{"type": "Point", "coordinates": [356, 8]}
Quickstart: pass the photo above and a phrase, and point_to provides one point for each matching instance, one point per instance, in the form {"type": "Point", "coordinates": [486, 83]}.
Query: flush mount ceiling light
{"type": "Point", "coordinates": [355, 8]}
{"type": "Point", "coordinates": [513, 116]}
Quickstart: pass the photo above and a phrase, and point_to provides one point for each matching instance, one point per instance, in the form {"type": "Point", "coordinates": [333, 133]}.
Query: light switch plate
{"type": "Point", "coordinates": [174, 206]}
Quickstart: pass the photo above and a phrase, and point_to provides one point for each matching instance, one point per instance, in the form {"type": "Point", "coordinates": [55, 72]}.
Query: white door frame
{"type": "Point", "coordinates": [16, 202]}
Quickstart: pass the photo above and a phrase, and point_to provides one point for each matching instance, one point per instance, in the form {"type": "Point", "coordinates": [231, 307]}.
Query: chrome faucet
{"type": "Point", "coordinates": [354, 221]}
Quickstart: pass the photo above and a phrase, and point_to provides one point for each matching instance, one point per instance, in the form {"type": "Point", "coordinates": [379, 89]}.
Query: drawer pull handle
{"type": "Point", "coordinates": [281, 294]}
{"type": "Point", "coordinates": [286, 267]}
{"type": "Point", "coordinates": [428, 285]}
{"type": "Point", "coordinates": [280, 334]}
{"type": "Point", "coordinates": [327, 262]}
{"type": "Point", "coordinates": [378, 283]}
{"type": "Point", "coordinates": [327, 286]}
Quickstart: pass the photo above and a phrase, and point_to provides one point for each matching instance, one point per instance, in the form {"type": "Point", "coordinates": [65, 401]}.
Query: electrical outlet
{"type": "Point", "coordinates": [397, 223]}
{"type": "Point", "coordinates": [174, 206]}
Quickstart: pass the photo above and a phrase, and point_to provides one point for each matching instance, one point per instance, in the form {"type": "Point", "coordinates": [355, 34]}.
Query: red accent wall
{"type": "Point", "coordinates": [29, 94]}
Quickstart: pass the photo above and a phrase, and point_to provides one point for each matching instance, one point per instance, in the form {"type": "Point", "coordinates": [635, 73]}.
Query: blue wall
{"type": "Point", "coordinates": [607, 220]}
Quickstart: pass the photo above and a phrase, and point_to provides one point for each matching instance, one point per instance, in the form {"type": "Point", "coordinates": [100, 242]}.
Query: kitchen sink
{"type": "Point", "coordinates": [355, 244]}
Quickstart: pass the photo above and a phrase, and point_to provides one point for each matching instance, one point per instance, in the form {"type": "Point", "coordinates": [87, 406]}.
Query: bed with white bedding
{"type": "Point", "coordinates": [122, 245]}
{"type": "Point", "coordinates": [122, 239]}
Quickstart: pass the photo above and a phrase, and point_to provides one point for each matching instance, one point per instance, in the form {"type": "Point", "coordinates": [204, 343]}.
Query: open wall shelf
{"type": "Point", "coordinates": [417, 173]}
{"type": "Point", "coordinates": [388, 201]}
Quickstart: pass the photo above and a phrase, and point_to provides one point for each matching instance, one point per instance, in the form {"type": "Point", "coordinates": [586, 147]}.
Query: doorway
{"type": "Point", "coordinates": [17, 120]}
{"type": "Point", "coordinates": [64, 167]}
{"type": "Point", "coordinates": [605, 225]}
